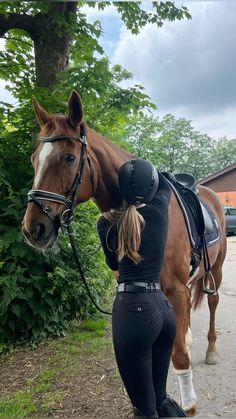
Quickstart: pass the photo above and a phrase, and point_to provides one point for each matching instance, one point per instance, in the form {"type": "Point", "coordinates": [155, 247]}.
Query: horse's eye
{"type": "Point", "coordinates": [69, 159]}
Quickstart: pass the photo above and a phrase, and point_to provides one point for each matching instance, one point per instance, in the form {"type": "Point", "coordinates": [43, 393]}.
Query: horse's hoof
{"type": "Point", "coordinates": [190, 407]}
{"type": "Point", "coordinates": [212, 358]}
{"type": "Point", "coordinates": [191, 412]}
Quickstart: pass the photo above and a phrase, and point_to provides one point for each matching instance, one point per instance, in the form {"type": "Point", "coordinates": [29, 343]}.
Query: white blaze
{"type": "Point", "coordinates": [44, 153]}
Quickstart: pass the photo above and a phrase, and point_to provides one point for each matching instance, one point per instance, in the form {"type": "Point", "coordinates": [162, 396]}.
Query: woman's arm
{"type": "Point", "coordinates": [110, 255]}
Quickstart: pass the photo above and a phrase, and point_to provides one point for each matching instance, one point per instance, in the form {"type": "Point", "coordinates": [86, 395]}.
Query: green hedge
{"type": "Point", "coordinates": [40, 292]}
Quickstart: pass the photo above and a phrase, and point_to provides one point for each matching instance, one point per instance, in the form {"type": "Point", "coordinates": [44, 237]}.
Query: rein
{"type": "Point", "coordinates": [77, 259]}
{"type": "Point", "coordinates": [38, 196]}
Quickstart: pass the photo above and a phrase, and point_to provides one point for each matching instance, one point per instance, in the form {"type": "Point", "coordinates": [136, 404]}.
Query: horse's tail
{"type": "Point", "coordinates": [196, 292]}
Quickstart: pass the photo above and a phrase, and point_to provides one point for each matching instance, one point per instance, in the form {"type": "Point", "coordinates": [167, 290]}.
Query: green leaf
{"type": "Point", "coordinates": [16, 309]}
{"type": "Point", "coordinates": [11, 324]}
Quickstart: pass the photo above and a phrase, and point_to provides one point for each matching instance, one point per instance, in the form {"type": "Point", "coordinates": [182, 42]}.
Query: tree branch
{"type": "Point", "coordinates": [17, 21]}
{"type": "Point", "coordinates": [56, 7]}
{"type": "Point", "coordinates": [71, 6]}
{"type": "Point", "coordinates": [62, 7]}
{"type": "Point", "coordinates": [5, 73]}
{"type": "Point", "coordinates": [12, 38]}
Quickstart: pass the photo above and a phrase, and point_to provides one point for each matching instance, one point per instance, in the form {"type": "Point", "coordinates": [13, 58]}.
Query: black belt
{"type": "Point", "coordinates": [138, 286]}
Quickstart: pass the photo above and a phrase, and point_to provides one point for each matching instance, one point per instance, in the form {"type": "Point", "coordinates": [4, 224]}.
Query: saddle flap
{"type": "Point", "coordinates": [207, 219]}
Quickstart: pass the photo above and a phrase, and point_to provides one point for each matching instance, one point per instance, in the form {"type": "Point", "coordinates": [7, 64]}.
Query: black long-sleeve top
{"type": "Point", "coordinates": [153, 239]}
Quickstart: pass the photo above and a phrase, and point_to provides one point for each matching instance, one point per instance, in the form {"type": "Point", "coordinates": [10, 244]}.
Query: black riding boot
{"type": "Point", "coordinates": [169, 408]}
{"type": "Point", "coordinates": [137, 413]}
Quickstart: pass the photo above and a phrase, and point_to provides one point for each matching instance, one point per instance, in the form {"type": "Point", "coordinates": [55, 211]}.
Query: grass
{"type": "Point", "coordinates": [41, 388]}
{"type": "Point", "coordinates": [93, 325]}
{"type": "Point", "coordinates": [98, 345]}
{"type": "Point", "coordinates": [38, 395]}
{"type": "Point", "coordinates": [20, 404]}
{"type": "Point", "coordinates": [50, 400]}
{"type": "Point", "coordinates": [46, 375]}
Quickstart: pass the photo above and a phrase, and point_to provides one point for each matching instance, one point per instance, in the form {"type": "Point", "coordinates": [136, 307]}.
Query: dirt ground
{"type": "Point", "coordinates": [94, 388]}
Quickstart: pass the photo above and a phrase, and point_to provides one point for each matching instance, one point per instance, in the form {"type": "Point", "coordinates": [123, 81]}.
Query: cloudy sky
{"type": "Point", "coordinates": [188, 68]}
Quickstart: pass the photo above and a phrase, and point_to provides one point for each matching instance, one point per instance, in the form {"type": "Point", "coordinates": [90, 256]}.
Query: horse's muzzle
{"type": "Point", "coordinates": [40, 235]}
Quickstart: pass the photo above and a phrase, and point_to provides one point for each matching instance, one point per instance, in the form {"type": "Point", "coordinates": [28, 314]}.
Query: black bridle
{"type": "Point", "coordinates": [38, 196]}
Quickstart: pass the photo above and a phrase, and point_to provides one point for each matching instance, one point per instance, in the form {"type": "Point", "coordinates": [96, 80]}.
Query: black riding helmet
{"type": "Point", "coordinates": [138, 181]}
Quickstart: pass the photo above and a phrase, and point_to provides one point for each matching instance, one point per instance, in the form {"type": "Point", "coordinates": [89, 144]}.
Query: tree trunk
{"type": "Point", "coordinates": [51, 42]}
{"type": "Point", "coordinates": [51, 47]}
{"type": "Point", "coordinates": [51, 57]}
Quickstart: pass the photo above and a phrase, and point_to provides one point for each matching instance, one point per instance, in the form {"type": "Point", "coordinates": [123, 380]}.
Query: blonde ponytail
{"type": "Point", "coordinates": [129, 226]}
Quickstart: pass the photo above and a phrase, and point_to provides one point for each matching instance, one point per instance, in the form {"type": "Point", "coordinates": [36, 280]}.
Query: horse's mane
{"type": "Point", "coordinates": [120, 151]}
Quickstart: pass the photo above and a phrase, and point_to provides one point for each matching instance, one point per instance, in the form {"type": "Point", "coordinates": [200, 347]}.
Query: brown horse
{"type": "Point", "coordinates": [60, 153]}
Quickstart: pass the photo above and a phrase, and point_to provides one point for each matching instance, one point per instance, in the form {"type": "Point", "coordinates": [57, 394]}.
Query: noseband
{"type": "Point", "coordinates": [38, 195]}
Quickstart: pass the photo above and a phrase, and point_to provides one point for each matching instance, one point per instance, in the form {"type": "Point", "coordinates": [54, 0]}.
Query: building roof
{"type": "Point", "coordinates": [217, 174]}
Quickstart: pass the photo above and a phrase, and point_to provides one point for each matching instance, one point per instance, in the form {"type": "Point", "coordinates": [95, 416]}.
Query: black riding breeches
{"type": "Point", "coordinates": [143, 326]}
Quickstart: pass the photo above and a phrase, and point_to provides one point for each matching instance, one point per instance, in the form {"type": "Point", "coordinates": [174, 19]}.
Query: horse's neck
{"type": "Point", "coordinates": [107, 159]}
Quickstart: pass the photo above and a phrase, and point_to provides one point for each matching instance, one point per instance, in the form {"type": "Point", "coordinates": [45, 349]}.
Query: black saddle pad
{"type": "Point", "coordinates": [195, 221]}
{"type": "Point", "coordinates": [213, 235]}
{"type": "Point", "coordinates": [196, 227]}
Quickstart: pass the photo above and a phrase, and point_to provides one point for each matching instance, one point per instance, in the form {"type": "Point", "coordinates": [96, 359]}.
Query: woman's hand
{"type": "Point", "coordinates": [116, 274]}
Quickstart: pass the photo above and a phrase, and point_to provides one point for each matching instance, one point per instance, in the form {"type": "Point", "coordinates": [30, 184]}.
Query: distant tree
{"type": "Point", "coordinates": [224, 153]}
{"type": "Point", "coordinates": [173, 145]}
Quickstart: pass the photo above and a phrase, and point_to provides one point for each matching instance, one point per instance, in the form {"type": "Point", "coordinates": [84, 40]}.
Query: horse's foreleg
{"type": "Point", "coordinates": [181, 350]}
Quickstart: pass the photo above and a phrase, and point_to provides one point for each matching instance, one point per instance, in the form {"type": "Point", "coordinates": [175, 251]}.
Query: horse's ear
{"type": "Point", "coordinates": [75, 108]}
{"type": "Point", "coordinates": [42, 116]}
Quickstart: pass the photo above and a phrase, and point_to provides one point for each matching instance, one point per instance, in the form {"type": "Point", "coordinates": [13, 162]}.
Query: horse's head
{"type": "Point", "coordinates": [60, 164]}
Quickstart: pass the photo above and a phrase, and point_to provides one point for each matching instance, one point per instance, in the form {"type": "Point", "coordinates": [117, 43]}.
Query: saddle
{"type": "Point", "coordinates": [200, 220]}
{"type": "Point", "coordinates": [201, 223]}
{"type": "Point", "coordinates": [185, 189]}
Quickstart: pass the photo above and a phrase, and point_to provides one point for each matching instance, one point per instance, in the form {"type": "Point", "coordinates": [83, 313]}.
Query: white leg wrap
{"type": "Point", "coordinates": [187, 394]}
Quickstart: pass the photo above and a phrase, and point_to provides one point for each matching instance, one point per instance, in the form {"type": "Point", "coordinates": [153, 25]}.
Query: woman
{"type": "Point", "coordinates": [143, 321]}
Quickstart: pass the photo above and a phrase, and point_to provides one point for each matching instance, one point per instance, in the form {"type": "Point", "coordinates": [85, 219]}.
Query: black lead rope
{"type": "Point", "coordinates": [82, 276]}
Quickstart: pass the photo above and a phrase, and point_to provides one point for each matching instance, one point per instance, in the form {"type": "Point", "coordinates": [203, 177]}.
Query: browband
{"type": "Point", "coordinates": [82, 139]}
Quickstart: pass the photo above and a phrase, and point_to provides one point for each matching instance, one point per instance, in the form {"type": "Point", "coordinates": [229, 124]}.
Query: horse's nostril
{"type": "Point", "coordinates": [39, 230]}
{"type": "Point", "coordinates": [25, 232]}
{"type": "Point", "coordinates": [35, 232]}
